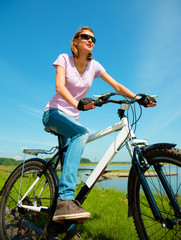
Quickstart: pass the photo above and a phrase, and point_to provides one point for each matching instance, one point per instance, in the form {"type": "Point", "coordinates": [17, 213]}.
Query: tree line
{"type": "Point", "coordinates": [12, 161]}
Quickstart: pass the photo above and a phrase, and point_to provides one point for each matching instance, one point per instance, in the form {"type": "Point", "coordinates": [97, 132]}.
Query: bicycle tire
{"type": "Point", "coordinates": [147, 227]}
{"type": "Point", "coordinates": [19, 223]}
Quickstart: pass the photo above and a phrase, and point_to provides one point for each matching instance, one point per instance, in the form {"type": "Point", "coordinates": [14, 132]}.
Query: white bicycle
{"type": "Point", "coordinates": [29, 195]}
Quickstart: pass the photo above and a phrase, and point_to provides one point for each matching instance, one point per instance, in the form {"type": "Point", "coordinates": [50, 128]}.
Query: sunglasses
{"type": "Point", "coordinates": [87, 37]}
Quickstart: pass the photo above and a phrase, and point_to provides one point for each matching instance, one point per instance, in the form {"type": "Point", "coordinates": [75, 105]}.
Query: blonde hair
{"type": "Point", "coordinates": [74, 49]}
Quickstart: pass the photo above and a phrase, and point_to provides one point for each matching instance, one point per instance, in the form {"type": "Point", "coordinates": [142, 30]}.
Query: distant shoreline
{"type": "Point", "coordinates": [112, 163]}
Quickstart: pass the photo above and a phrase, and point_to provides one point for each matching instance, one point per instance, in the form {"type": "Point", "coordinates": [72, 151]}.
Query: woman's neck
{"type": "Point", "coordinates": [81, 63]}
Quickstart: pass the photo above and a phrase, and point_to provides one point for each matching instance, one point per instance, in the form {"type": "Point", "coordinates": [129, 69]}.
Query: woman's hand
{"type": "Point", "coordinates": [85, 104]}
{"type": "Point", "coordinates": [146, 101]}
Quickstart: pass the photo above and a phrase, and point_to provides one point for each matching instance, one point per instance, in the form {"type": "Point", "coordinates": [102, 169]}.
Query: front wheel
{"type": "Point", "coordinates": [147, 227]}
{"type": "Point", "coordinates": [21, 223]}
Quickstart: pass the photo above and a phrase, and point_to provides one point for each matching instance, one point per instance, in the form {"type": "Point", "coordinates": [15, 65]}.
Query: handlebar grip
{"type": "Point", "coordinates": [98, 102]}
{"type": "Point", "coordinates": [145, 100]}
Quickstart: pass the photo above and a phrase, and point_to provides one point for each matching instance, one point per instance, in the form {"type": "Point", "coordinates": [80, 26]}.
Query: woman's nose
{"type": "Point", "coordinates": [90, 40]}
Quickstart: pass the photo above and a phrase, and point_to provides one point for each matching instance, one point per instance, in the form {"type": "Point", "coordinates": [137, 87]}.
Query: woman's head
{"type": "Point", "coordinates": [85, 34]}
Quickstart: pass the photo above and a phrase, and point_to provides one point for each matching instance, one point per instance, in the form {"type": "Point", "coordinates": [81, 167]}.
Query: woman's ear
{"type": "Point", "coordinates": [75, 41]}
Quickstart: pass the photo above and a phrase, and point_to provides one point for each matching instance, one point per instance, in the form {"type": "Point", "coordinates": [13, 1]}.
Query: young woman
{"type": "Point", "coordinates": [74, 76]}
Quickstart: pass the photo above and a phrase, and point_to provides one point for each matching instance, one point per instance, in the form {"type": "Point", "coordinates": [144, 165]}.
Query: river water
{"type": "Point", "coordinates": [121, 182]}
{"type": "Point", "coordinates": [116, 183]}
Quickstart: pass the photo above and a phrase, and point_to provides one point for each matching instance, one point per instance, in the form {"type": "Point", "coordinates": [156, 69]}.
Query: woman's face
{"type": "Point", "coordinates": [84, 42]}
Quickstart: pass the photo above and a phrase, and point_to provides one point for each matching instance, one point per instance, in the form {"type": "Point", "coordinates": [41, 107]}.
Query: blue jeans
{"type": "Point", "coordinates": [75, 136]}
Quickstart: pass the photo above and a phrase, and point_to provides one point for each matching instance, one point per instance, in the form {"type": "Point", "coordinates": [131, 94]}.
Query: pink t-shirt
{"type": "Point", "coordinates": [77, 84]}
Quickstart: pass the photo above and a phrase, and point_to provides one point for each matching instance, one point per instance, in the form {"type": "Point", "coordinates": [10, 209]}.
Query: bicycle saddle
{"type": "Point", "coordinates": [51, 131]}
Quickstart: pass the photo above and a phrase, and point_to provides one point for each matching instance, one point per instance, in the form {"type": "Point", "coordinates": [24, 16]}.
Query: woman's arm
{"type": "Point", "coordinates": [119, 88]}
{"type": "Point", "coordinates": [61, 89]}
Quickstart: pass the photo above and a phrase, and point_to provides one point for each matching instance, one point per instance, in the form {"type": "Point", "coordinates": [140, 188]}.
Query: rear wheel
{"type": "Point", "coordinates": [147, 227]}
{"type": "Point", "coordinates": [20, 223]}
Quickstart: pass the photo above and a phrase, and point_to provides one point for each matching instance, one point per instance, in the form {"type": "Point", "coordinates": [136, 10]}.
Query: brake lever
{"type": "Point", "coordinates": [104, 96]}
{"type": "Point", "coordinates": [152, 96]}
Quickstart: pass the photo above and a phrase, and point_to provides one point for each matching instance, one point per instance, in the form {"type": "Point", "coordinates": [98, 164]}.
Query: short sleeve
{"type": "Point", "coordinates": [99, 69]}
{"type": "Point", "coordinates": [61, 61]}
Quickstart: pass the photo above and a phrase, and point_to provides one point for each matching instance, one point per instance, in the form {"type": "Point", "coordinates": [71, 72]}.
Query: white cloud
{"type": "Point", "coordinates": [33, 111]}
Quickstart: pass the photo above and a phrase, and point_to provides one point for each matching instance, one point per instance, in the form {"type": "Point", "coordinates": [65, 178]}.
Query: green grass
{"type": "Point", "coordinates": [4, 173]}
{"type": "Point", "coordinates": [109, 209]}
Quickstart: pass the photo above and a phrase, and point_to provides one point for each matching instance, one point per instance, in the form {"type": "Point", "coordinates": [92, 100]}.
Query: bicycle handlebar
{"type": "Point", "coordinates": [99, 102]}
{"type": "Point", "coordinates": [104, 98]}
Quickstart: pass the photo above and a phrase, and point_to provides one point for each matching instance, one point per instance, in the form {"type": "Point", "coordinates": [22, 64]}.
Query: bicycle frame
{"type": "Point", "coordinates": [125, 134]}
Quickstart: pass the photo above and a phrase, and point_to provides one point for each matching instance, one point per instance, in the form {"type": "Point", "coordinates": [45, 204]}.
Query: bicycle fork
{"type": "Point", "coordinates": [140, 163]}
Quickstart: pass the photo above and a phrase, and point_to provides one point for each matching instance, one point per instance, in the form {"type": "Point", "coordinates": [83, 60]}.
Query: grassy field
{"type": "Point", "coordinates": [4, 173]}
{"type": "Point", "coordinates": [108, 208]}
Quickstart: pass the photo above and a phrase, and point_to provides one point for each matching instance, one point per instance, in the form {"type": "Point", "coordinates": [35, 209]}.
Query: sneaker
{"type": "Point", "coordinates": [70, 210]}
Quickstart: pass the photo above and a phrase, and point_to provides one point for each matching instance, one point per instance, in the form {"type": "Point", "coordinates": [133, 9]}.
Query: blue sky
{"type": "Point", "coordinates": [138, 43]}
